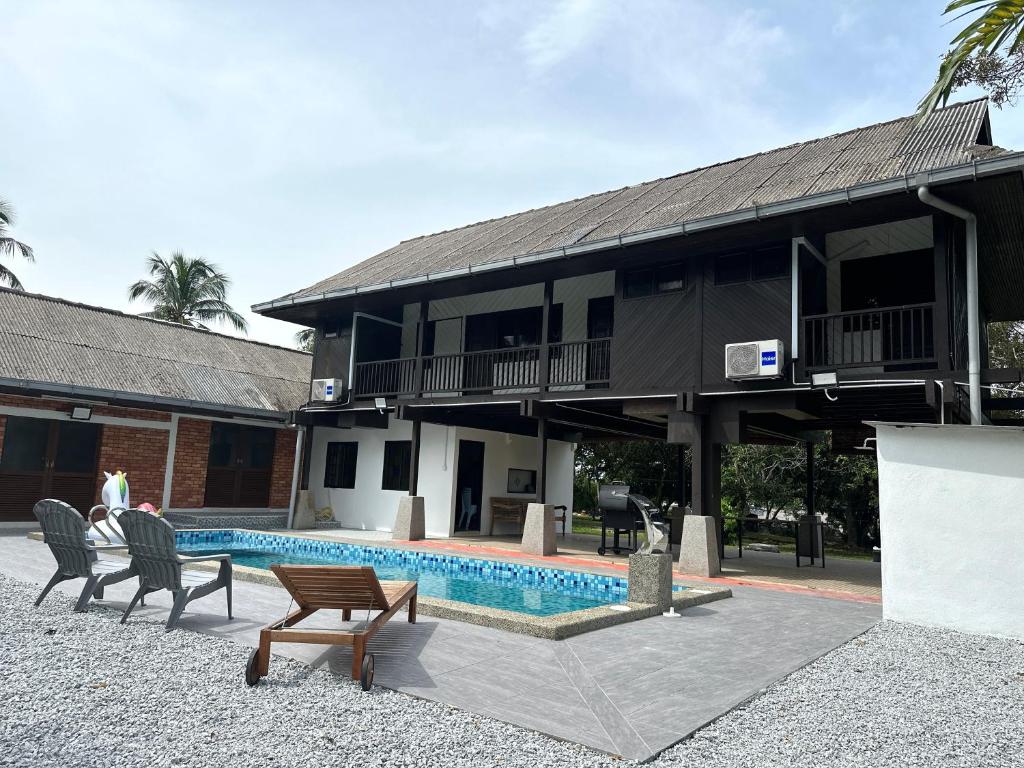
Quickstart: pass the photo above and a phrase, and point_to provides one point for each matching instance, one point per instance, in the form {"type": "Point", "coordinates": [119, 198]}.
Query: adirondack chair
{"type": "Point", "coordinates": [64, 531]}
{"type": "Point", "coordinates": [159, 566]}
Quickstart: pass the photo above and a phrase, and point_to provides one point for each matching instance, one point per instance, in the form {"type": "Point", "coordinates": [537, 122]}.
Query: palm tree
{"type": "Point", "coordinates": [1000, 24]}
{"type": "Point", "coordinates": [186, 291]}
{"type": "Point", "coordinates": [11, 247]}
{"type": "Point", "coordinates": [305, 339]}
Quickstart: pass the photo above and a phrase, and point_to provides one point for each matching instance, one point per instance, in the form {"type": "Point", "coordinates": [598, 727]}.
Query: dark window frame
{"type": "Point", "coordinates": [753, 259]}
{"type": "Point", "coordinates": [337, 472]}
{"type": "Point", "coordinates": [396, 466]}
{"type": "Point", "coordinates": [656, 276]}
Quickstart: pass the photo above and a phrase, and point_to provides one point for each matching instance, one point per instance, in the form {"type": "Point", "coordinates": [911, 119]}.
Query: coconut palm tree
{"type": "Point", "coordinates": [998, 28]}
{"type": "Point", "coordinates": [187, 291]}
{"type": "Point", "coordinates": [10, 247]}
{"type": "Point", "coordinates": [305, 339]}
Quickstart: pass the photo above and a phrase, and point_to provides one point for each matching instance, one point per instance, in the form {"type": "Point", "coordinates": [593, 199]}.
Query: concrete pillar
{"type": "Point", "coordinates": [539, 530]}
{"type": "Point", "coordinates": [410, 522]}
{"type": "Point", "coordinates": [699, 548]}
{"type": "Point", "coordinates": [650, 580]}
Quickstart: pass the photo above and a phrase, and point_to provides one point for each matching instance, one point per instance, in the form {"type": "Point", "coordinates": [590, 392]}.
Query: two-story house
{"type": "Point", "coordinates": [764, 299]}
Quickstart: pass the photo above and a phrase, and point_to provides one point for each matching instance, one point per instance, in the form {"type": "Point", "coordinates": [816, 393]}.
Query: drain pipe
{"type": "Point", "coordinates": [973, 329]}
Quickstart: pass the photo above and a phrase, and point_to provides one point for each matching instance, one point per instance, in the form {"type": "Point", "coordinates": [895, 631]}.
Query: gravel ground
{"type": "Point", "coordinates": [82, 690]}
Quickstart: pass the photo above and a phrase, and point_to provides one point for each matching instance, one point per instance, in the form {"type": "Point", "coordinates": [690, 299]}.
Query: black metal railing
{"type": "Point", "coordinates": [580, 363]}
{"type": "Point", "coordinates": [386, 378]}
{"type": "Point", "coordinates": [494, 371]}
{"type": "Point", "coordinates": [874, 337]}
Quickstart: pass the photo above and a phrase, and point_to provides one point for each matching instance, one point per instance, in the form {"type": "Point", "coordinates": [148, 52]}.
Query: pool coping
{"type": "Point", "coordinates": [558, 626]}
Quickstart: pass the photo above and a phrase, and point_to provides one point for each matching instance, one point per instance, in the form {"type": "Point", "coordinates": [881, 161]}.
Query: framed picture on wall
{"type": "Point", "coordinates": [522, 481]}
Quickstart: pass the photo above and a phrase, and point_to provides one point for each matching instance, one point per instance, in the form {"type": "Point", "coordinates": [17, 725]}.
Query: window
{"type": "Point", "coordinates": [639, 283]}
{"type": "Point", "coordinates": [522, 481]}
{"type": "Point", "coordinates": [767, 263]}
{"type": "Point", "coordinates": [397, 458]}
{"type": "Point", "coordinates": [732, 268]}
{"type": "Point", "coordinates": [340, 468]}
{"type": "Point", "coordinates": [770, 263]}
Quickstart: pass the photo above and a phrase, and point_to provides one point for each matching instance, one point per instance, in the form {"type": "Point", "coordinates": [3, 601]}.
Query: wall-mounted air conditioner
{"type": "Point", "coordinates": [755, 360]}
{"type": "Point", "coordinates": [327, 390]}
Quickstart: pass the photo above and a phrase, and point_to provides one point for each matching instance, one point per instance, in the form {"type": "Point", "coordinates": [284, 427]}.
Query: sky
{"type": "Point", "coordinates": [287, 141]}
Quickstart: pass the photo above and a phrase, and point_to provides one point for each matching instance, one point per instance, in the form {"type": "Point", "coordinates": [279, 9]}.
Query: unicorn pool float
{"type": "Point", "coordinates": [103, 517]}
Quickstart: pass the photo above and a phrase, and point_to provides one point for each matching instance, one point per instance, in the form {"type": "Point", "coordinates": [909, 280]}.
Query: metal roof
{"type": "Point", "coordinates": [58, 344]}
{"type": "Point", "coordinates": [885, 151]}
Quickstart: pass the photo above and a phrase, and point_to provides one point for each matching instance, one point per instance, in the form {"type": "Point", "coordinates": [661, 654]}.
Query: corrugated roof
{"type": "Point", "coordinates": [45, 339]}
{"type": "Point", "coordinates": [875, 153]}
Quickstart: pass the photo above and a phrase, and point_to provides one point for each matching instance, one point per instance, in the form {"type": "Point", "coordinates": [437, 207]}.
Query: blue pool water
{"type": "Point", "coordinates": [508, 586]}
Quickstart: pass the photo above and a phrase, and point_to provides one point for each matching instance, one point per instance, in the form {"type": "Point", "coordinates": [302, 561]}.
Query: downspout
{"type": "Point", "coordinates": [973, 329]}
{"type": "Point", "coordinates": [296, 469]}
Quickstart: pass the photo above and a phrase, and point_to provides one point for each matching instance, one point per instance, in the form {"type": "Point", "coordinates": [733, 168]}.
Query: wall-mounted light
{"type": "Point", "coordinates": [380, 403]}
{"type": "Point", "coordinates": [826, 380]}
{"type": "Point", "coordinates": [81, 413]}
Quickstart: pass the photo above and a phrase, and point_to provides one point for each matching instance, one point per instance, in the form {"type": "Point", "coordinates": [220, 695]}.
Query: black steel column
{"type": "Point", "coordinates": [542, 459]}
{"type": "Point", "coordinates": [810, 479]}
{"type": "Point", "coordinates": [544, 362]}
{"type": "Point", "coordinates": [414, 458]}
{"type": "Point", "coordinates": [421, 332]}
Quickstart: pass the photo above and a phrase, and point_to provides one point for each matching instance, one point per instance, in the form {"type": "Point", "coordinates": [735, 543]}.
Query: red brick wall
{"type": "Point", "coordinates": [281, 474]}
{"type": "Point", "coordinates": [99, 410]}
{"type": "Point", "coordinates": [191, 452]}
{"type": "Point", "coordinates": [141, 454]}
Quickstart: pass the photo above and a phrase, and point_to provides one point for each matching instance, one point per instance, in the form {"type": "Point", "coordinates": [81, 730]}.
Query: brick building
{"type": "Point", "coordinates": [199, 421]}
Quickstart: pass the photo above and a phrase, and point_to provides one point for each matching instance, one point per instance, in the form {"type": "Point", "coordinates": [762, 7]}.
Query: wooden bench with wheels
{"type": "Point", "coordinates": [333, 587]}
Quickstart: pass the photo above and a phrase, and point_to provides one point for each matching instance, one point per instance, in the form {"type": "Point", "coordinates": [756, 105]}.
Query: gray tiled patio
{"type": "Point", "coordinates": [632, 690]}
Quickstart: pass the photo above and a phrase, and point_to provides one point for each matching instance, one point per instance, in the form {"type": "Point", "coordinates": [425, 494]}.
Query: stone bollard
{"type": "Point", "coordinates": [650, 580]}
{"type": "Point", "coordinates": [539, 530]}
{"type": "Point", "coordinates": [304, 517]}
{"type": "Point", "coordinates": [698, 550]}
{"type": "Point", "coordinates": [410, 523]}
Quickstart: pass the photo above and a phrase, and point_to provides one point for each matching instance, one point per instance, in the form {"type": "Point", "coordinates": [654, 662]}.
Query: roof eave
{"type": "Point", "coordinates": [966, 171]}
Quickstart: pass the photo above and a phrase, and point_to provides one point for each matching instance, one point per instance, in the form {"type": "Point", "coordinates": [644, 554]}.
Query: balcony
{"type": "Point", "coordinates": [571, 365]}
{"type": "Point", "coordinates": [891, 336]}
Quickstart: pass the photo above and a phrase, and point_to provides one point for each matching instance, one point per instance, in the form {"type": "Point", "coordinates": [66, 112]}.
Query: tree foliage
{"type": "Point", "coordinates": [186, 291]}
{"type": "Point", "coordinates": [986, 52]}
{"type": "Point", "coordinates": [305, 339]}
{"type": "Point", "coordinates": [11, 247]}
{"type": "Point", "coordinates": [649, 467]}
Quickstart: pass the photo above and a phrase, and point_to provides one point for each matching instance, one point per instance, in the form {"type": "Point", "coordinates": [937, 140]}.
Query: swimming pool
{"type": "Point", "coordinates": [525, 589]}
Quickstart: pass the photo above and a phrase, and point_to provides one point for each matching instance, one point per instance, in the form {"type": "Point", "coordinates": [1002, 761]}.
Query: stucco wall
{"type": "Point", "coordinates": [367, 507]}
{"type": "Point", "coordinates": [951, 525]}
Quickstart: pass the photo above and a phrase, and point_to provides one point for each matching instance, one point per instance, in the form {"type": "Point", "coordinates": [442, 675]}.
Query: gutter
{"type": "Point", "coordinates": [965, 172]}
{"type": "Point", "coordinates": [973, 320]}
{"type": "Point", "coordinates": [135, 399]}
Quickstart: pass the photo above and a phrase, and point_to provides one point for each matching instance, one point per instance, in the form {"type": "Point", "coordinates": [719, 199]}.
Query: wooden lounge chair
{"type": "Point", "coordinates": [155, 556]}
{"type": "Point", "coordinates": [64, 531]}
{"type": "Point", "coordinates": [339, 587]}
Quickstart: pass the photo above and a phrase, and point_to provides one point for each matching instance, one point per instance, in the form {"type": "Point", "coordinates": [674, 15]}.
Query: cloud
{"type": "Point", "coordinates": [567, 29]}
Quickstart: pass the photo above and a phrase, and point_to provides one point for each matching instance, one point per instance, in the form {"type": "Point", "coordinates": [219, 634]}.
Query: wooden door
{"type": "Point", "coordinates": [239, 467]}
{"type": "Point", "coordinates": [44, 458]}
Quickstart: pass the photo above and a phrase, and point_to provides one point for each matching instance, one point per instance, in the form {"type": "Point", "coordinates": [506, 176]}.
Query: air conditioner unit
{"type": "Point", "coordinates": [755, 360]}
{"type": "Point", "coordinates": [327, 390]}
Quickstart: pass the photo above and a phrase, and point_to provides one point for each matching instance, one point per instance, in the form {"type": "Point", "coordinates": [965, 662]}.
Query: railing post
{"type": "Point", "coordinates": [544, 361]}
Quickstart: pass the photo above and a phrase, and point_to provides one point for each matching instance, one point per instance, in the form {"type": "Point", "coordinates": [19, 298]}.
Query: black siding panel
{"type": "Point", "coordinates": [331, 357]}
{"type": "Point", "coordinates": [655, 342]}
{"type": "Point", "coordinates": [748, 311]}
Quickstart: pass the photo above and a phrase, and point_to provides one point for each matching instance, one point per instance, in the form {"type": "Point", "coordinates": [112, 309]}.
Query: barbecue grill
{"type": "Point", "coordinates": [621, 513]}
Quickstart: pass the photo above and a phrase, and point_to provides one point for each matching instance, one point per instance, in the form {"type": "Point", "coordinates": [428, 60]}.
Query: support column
{"type": "Point", "coordinates": [414, 457]}
{"type": "Point", "coordinates": [172, 442]}
{"type": "Point", "coordinates": [421, 332]}
{"type": "Point", "coordinates": [706, 480]}
{"type": "Point", "coordinates": [810, 479]}
{"type": "Point", "coordinates": [542, 459]}
{"type": "Point", "coordinates": [545, 331]}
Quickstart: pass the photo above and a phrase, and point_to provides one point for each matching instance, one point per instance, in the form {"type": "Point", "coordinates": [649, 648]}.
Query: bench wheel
{"type": "Point", "coordinates": [252, 675]}
{"type": "Point", "coordinates": [601, 551]}
{"type": "Point", "coordinates": [366, 675]}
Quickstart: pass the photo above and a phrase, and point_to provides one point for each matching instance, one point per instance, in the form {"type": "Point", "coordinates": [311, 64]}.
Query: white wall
{"type": "Point", "coordinates": [952, 525]}
{"type": "Point", "coordinates": [367, 507]}
{"type": "Point", "coordinates": [503, 452]}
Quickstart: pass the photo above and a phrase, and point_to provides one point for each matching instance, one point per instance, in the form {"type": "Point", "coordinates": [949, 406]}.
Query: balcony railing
{"type": "Point", "coordinates": [870, 338]}
{"type": "Point", "coordinates": [569, 365]}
